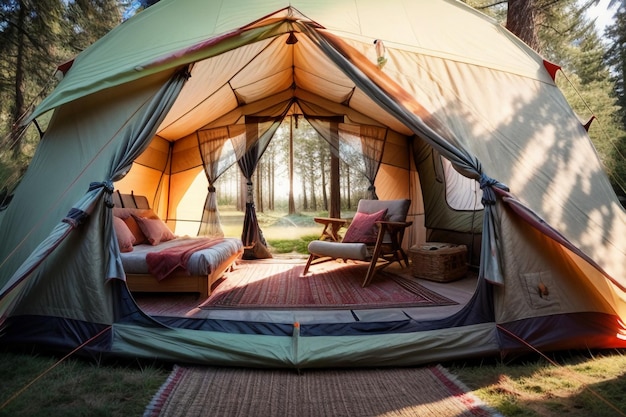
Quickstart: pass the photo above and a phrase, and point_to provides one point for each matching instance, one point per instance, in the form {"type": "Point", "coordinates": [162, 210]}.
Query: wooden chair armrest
{"type": "Point", "coordinates": [329, 220]}
{"type": "Point", "coordinates": [331, 228]}
{"type": "Point", "coordinates": [393, 225]}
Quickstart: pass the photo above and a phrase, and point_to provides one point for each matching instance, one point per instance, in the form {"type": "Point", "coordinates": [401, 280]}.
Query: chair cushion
{"type": "Point", "coordinates": [397, 210]}
{"type": "Point", "coordinates": [338, 250]}
{"type": "Point", "coordinates": [363, 228]}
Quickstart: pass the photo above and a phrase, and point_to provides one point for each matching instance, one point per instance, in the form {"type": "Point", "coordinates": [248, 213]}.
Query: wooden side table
{"type": "Point", "coordinates": [331, 228]}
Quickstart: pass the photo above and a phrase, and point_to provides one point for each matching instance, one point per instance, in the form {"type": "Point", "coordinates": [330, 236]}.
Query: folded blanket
{"type": "Point", "coordinates": [164, 263]}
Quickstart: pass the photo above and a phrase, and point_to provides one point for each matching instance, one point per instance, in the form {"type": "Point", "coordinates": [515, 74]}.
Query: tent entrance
{"type": "Point", "coordinates": [272, 290]}
{"type": "Point", "coordinates": [291, 184]}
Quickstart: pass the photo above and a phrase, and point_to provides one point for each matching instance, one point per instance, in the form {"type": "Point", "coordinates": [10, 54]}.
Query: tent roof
{"type": "Point", "coordinates": [265, 79]}
{"type": "Point", "coordinates": [485, 93]}
{"type": "Point", "coordinates": [266, 67]}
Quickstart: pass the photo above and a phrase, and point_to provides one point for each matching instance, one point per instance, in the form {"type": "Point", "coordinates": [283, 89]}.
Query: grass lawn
{"type": "Point", "coordinates": [39, 386]}
{"type": "Point", "coordinates": [580, 385]}
{"type": "Point", "coordinates": [285, 234]}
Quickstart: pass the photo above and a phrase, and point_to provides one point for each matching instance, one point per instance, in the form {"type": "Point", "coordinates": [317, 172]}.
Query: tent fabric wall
{"type": "Point", "coordinates": [484, 103]}
{"type": "Point", "coordinates": [96, 236]}
{"type": "Point", "coordinates": [537, 259]}
{"type": "Point", "coordinates": [61, 158]}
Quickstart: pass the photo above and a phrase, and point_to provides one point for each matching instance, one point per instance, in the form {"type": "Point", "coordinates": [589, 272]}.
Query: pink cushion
{"type": "Point", "coordinates": [363, 228]}
{"type": "Point", "coordinates": [125, 238]}
{"type": "Point", "coordinates": [127, 214]}
{"type": "Point", "coordinates": [154, 229]}
{"type": "Point", "coordinates": [134, 228]}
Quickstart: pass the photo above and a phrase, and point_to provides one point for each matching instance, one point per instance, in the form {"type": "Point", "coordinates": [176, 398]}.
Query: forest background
{"type": "Point", "coordinates": [36, 37]}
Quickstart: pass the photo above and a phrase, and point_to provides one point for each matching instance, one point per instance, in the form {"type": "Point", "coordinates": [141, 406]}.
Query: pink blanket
{"type": "Point", "coordinates": [166, 262]}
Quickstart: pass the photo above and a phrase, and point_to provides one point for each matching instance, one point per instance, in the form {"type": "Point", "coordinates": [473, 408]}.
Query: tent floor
{"type": "Point", "coordinates": [186, 305]}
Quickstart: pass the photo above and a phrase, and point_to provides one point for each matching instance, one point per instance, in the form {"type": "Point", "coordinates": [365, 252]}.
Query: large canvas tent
{"type": "Point", "coordinates": [468, 123]}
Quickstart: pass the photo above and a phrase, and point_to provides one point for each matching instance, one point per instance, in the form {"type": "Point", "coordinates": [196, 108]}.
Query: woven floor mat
{"type": "Point", "coordinates": [331, 285]}
{"type": "Point", "coordinates": [216, 391]}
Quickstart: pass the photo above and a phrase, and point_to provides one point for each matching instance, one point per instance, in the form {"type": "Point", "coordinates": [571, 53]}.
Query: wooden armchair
{"type": "Point", "coordinates": [374, 235]}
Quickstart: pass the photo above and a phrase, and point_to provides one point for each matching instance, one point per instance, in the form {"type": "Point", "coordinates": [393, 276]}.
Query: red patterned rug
{"type": "Point", "coordinates": [331, 285]}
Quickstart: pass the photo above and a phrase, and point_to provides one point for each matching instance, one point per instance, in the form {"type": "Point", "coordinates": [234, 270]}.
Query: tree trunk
{"type": "Point", "coordinates": [349, 194]}
{"type": "Point", "coordinates": [272, 179]}
{"type": "Point", "coordinates": [335, 194]}
{"type": "Point", "coordinates": [312, 187]}
{"type": "Point", "coordinates": [292, 202]}
{"type": "Point", "coordinates": [18, 109]}
{"type": "Point", "coordinates": [305, 201]}
{"type": "Point", "coordinates": [324, 192]}
{"type": "Point", "coordinates": [259, 196]}
{"type": "Point", "coordinates": [522, 19]}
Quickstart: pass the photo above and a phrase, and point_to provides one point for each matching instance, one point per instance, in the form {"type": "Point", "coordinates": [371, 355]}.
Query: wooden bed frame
{"type": "Point", "coordinates": [180, 282]}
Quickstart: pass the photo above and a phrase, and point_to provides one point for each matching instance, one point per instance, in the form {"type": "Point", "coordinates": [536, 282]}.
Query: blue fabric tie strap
{"type": "Point", "coordinates": [107, 185]}
{"type": "Point", "coordinates": [75, 217]}
{"type": "Point", "coordinates": [486, 184]}
{"type": "Point", "coordinates": [108, 188]}
{"type": "Point", "coordinates": [372, 191]}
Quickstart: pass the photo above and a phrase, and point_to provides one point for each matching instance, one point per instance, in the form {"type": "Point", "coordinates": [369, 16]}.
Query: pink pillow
{"type": "Point", "coordinates": [134, 228]}
{"type": "Point", "coordinates": [363, 228]}
{"type": "Point", "coordinates": [125, 237]}
{"type": "Point", "coordinates": [154, 229]}
{"type": "Point", "coordinates": [127, 213]}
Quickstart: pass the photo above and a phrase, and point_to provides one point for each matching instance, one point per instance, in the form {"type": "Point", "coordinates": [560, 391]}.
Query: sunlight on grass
{"type": "Point", "coordinates": [579, 387]}
{"type": "Point", "coordinates": [284, 233]}
{"type": "Point", "coordinates": [298, 245]}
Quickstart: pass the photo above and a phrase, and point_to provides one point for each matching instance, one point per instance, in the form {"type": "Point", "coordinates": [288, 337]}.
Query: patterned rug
{"type": "Point", "coordinates": [281, 285]}
{"type": "Point", "coordinates": [403, 392]}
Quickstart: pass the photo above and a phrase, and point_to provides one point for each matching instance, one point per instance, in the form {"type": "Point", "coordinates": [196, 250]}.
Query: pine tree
{"type": "Point", "coordinates": [559, 31]}
{"type": "Point", "coordinates": [35, 37]}
{"type": "Point", "coordinates": [616, 59]}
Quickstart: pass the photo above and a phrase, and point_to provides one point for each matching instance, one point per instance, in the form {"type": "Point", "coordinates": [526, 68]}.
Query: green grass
{"type": "Point", "coordinates": [37, 385]}
{"type": "Point", "coordinates": [581, 385]}
{"type": "Point", "coordinates": [284, 233]}
{"type": "Point", "coordinates": [298, 245]}
{"type": "Point", "coordinates": [275, 225]}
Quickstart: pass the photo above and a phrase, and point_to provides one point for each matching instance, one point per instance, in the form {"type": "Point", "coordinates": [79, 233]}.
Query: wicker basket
{"type": "Point", "coordinates": [442, 262]}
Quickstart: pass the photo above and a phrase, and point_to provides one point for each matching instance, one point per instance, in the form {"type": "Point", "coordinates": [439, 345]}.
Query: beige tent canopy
{"type": "Point", "coordinates": [474, 129]}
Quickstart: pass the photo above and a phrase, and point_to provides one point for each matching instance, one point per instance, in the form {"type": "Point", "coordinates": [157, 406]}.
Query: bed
{"type": "Point", "coordinates": [155, 260]}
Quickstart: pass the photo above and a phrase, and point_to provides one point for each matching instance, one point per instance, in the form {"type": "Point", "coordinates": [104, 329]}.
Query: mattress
{"type": "Point", "coordinates": [202, 262]}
